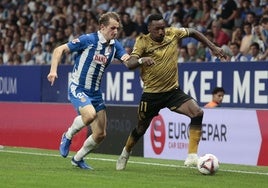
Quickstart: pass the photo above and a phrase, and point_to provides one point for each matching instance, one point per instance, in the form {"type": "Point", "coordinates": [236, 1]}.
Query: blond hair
{"type": "Point", "coordinates": [105, 18]}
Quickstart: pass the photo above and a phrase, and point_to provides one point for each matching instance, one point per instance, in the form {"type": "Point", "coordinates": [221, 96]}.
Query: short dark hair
{"type": "Point", "coordinates": [153, 17]}
{"type": "Point", "coordinates": [255, 44]}
{"type": "Point", "coordinates": [218, 89]}
{"type": "Point", "coordinates": [235, 44]}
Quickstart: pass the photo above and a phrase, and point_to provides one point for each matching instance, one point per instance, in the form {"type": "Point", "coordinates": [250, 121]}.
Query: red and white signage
{"type": "Point", "coordinates": [235, 136]}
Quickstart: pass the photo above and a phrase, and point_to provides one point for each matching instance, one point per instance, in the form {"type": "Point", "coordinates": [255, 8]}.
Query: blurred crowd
{"type": "Point", "coordinates": [31, 29]}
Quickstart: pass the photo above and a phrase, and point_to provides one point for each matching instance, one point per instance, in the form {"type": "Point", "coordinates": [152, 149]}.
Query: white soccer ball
{"type": "Point", "coordinates": [208, 164]}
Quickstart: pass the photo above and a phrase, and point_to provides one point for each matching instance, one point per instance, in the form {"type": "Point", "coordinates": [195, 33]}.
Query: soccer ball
{"type": "Point", "coordinates": [208, 164]}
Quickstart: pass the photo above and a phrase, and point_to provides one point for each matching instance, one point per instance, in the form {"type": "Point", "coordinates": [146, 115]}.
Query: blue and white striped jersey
{"type": "Point", "coordinates": [94, 54]}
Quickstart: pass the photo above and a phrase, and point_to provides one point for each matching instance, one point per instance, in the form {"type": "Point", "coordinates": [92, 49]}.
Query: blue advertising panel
{"type": "Point", "coordinates": [121, 86]}
{"type": "Point", "coordinates": [245, 84]}
{"type": "Point", "coordinates": [20, 83]}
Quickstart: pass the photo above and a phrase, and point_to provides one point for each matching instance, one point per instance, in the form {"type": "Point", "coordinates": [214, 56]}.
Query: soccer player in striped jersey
{"type": "Point", "coordinates": [156, 55]}
{"type": "Point", "coordinates": [95, 51]}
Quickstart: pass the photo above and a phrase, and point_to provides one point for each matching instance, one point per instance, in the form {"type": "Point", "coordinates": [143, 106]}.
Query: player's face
{"type": "Point", "coordinates": [110, 31]}
{"type": "Point", "coordinates": [157, 30]}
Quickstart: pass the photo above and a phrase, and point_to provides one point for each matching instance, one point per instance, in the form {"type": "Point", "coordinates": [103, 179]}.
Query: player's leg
{"type": "Point", "coordinates": [192, 110]}
{"type": "Point", "coordinates": [148, 108]}
{"type": "Point", "coordinates": [133, 138]}
{"type": "Point", "coordinates": [87, 114]}
{"type": "Point", "coordinates": [98, 127]}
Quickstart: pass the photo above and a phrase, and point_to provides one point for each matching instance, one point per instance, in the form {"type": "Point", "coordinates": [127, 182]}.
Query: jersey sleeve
{"type": "Point", "coordinates": [181, 32]}
{"type": "Point", "coordinates": [80, 43]}
{"type": "Point", "coordinates": [138, 48]}
{"type": "Point", "coordinates": [120, 50]}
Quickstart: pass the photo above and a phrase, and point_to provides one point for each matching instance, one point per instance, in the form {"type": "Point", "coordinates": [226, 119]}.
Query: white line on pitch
{"type": "Point", "coordinates": [134, 162]}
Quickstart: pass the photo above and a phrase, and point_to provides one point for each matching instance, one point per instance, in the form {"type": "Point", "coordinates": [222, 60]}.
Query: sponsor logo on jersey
{"type": "Point", "coordinates": [74, 41]}
{"type": "Point", "coordinates": [100, 59]}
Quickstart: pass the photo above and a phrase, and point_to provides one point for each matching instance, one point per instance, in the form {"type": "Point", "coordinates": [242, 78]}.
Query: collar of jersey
{"type": "Point", "coordinates": [103, 40]}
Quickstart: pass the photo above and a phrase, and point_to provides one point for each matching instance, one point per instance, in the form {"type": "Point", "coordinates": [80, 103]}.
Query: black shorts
{"type": "Point", "coordinates": [152, 103]}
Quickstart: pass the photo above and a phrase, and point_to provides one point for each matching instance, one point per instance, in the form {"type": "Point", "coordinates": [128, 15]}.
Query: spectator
{"type": "Point", "coordinates": [206, 19]}
{"type": "Point", "coordinates": [140, 25]}
{"type": "Point", "coordinates": [183, 54]}
{"type": "Point", "coordinates": [114, 6]}
{"type": "Point", "coordinates": [176, 20]}
{"type": "Point", "coordinates": [28, 43]}
{"type": "Point", "coordinates": [166, 9]}
{"type": "Point", "coordinates": [255, 52]}
{"type": "Point", "coordinates": [198, 12]}
{"type": "Point", "coordinates": [68, 32]}
{"type": "Point", "coordinates": [189, 13]}
{"type": "Point", "coordinates": [7, 54]}
{"type": "Point", "coordinates": [35, 22]}
{"type": "Point", "coordinates": [264, 30]}
{"type": "Point", "coordinates": [228, 11]}
{"type": "Point", "coordinates": [220, 37]}
{"type": "Point", "coordinates": [201, 52]}
{"type": "Point", "coordinates": [237, 35]}
{"type": "Point", "coordinates": [193, 53]}
{"type": "Point", "coordinates": [237, 56]}
{"type": "Point", "coordinates": [163, 8]}
{"type": "Point", "coordinates": [102, 7]}
{"type": "Point", "coordinates": [39, 55]}
{"type": "Point", "coordinates": [246, 39]}
{"type": "Point", "coordinates": [28, 60]}
{"type": "Point", "coordinates": [256, 7]}
{"type": "Point", "coordinates": [19, 49]}
{"type": "Point", "coordinates": [130, 8]}
{"type": "Point", "coordinates": [128, 25]}
{"type": "Point", "coordinates": [48, 53]}
{"type": "Point", "coordinates": [251, 18]}
{"type": "Point", "coordinates": [217, 97]}
{"type": "Point", "coordinates": [257, 37]}
{"type": "Point", "coordinates": [177, 8]}
{"type": "Point", "coordinates": [16, 59]}
{"type": "Point", "coordinates": [244, 9]}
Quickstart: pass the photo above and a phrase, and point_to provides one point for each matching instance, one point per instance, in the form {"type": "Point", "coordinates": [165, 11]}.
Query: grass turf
{"type": "Point", "coordinates": [26, 167]}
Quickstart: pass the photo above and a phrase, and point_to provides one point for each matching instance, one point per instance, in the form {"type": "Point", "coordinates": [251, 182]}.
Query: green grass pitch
{"type": "Point", "coordinates": [26, 167]}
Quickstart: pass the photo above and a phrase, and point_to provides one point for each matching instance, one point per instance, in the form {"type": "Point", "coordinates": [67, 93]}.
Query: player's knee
{"type": "Point", "coordinates": [102, 135]}
{"type": "Point", "coordinates": [197, 121]}
{"type": "Point", "coordinates": [99, 137]}
{"type": "Point", "coordinates": [89, 117]}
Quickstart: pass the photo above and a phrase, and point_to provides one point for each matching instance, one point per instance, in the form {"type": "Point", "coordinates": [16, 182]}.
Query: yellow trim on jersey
{"type": "Point", "coordinates": [163, 76]}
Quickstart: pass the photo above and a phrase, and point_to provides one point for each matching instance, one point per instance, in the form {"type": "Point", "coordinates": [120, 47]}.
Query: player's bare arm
{"type": "Point", "coordinates": [217, 51]}
{"type": "Point", "coordinates": [56, 57]}
{"type": "Point", "coordinates": [135, 62]}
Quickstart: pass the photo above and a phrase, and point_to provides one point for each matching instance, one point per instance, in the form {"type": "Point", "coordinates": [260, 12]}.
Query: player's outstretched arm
{"type": "Point", "coordinates": [216, 51]}
{"type": "Point", "coordinates": [56, 57]}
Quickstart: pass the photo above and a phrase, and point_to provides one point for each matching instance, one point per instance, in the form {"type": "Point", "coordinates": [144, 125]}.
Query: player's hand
{"type": "Point", "coordinates": [51, 77]}
{"type": "Point", "coordinates": [219, 52]}
{"type": "Point", "coordinates": [148, 61]}
{"type": "Point", "coordinates": [125, 57]}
